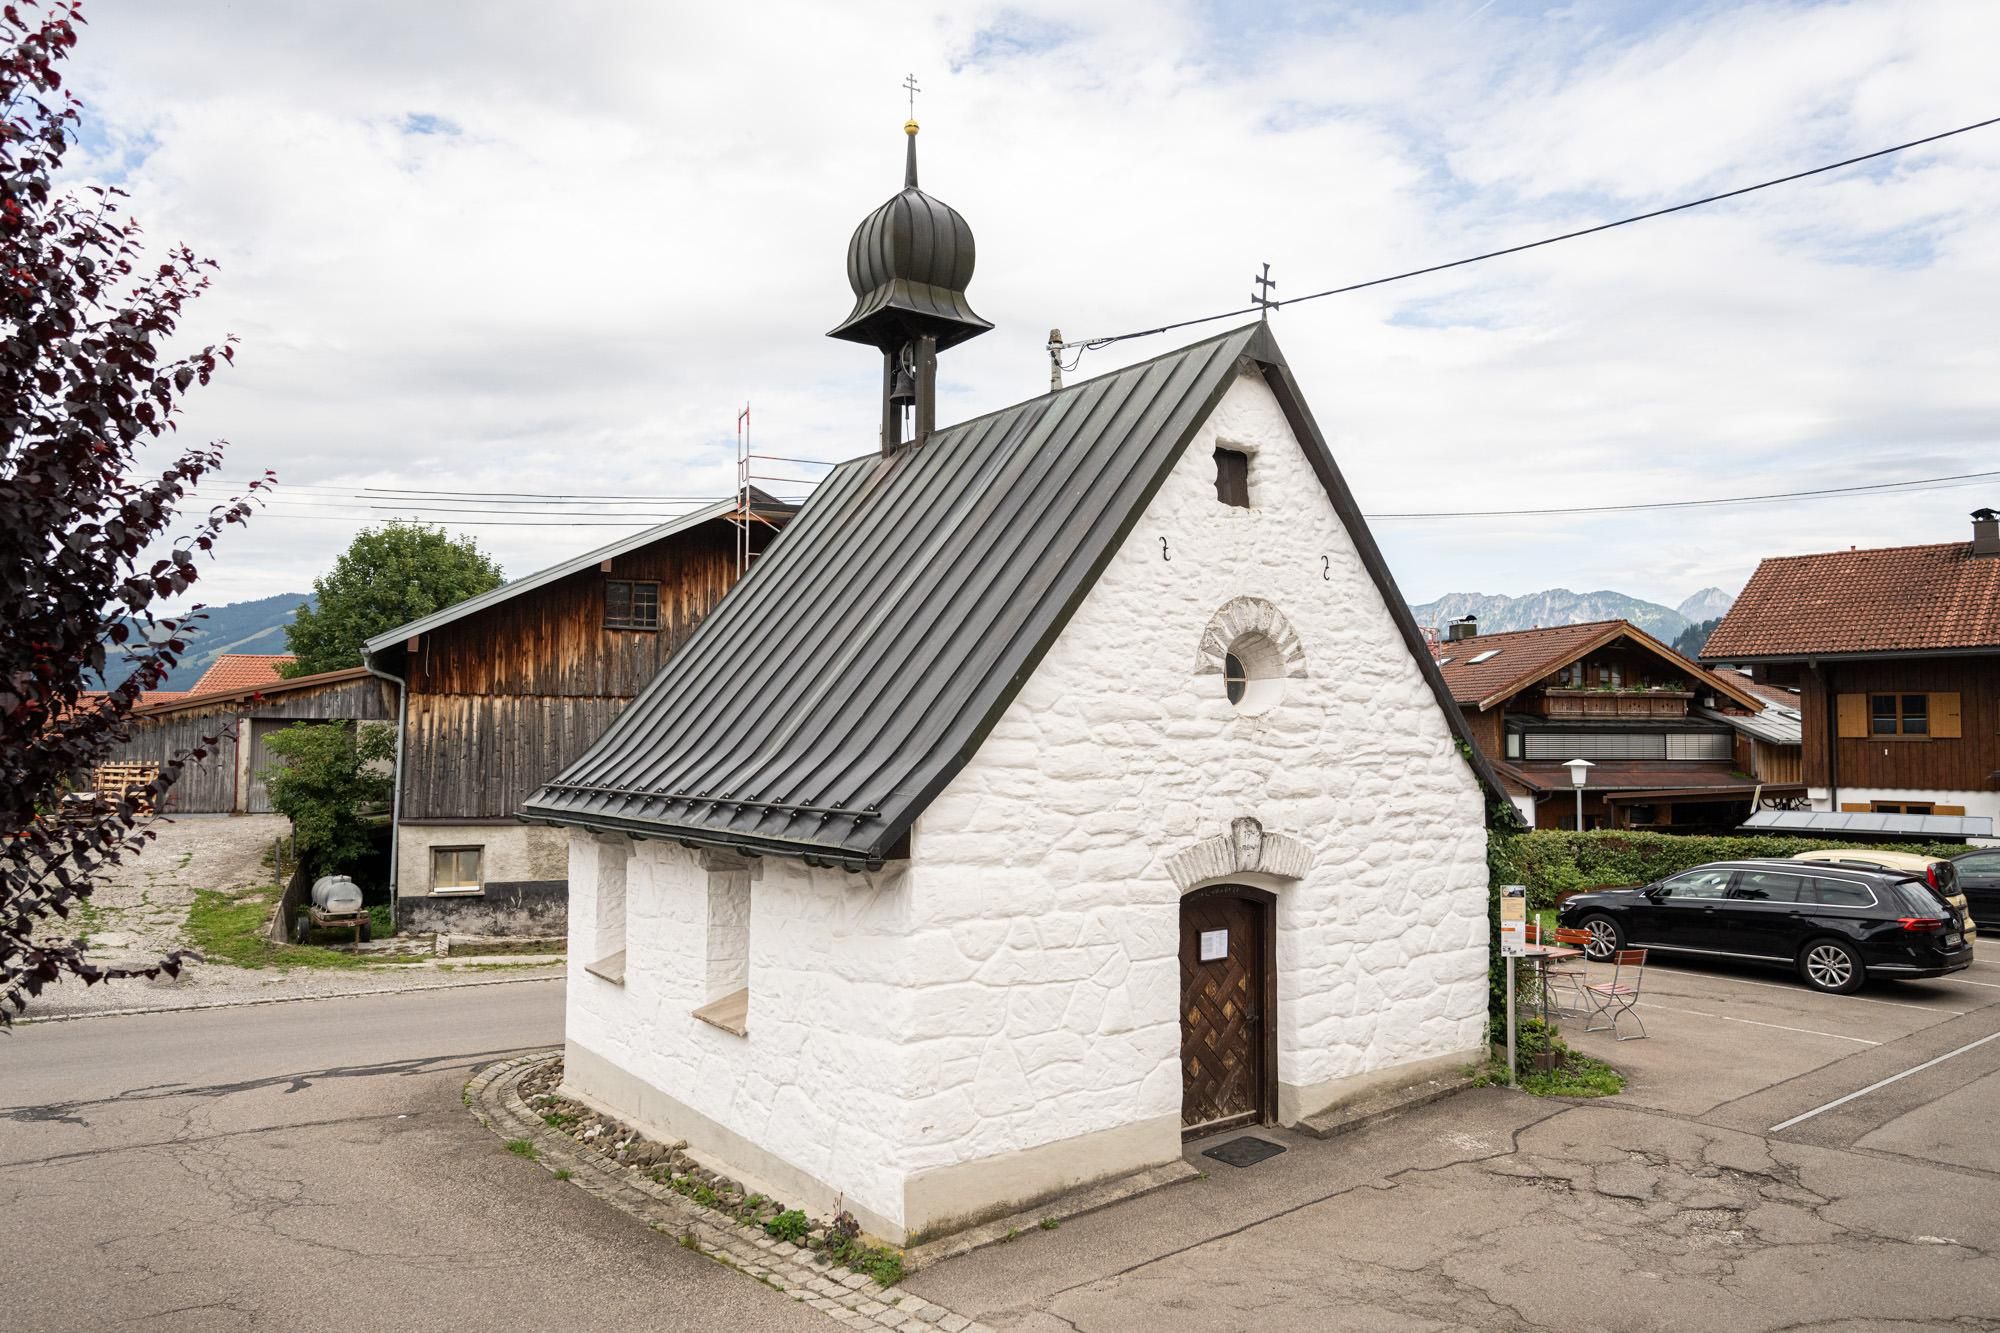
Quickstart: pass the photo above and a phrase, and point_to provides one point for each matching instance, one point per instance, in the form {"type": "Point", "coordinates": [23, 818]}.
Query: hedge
{"type": "Point", "coordinates": [1553, 861]}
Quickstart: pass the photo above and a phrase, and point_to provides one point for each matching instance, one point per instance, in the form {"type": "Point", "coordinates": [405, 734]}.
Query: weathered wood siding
{"type": "Point", "coordinates": [208, 786]}
{"type": "Point", "coordinates": [505, 699]}
{"type": "Point", "coordinates": [1934, 764]}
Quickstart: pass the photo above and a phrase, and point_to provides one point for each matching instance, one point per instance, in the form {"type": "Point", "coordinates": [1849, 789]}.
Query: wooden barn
{"type": "Point", "coordinates": [240, 722]}
{"type": "Point", "coordinates": [504, 690]}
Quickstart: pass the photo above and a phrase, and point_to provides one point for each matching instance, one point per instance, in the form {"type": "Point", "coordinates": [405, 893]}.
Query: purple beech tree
{"type": "Point", "coordinates": [86, 384]}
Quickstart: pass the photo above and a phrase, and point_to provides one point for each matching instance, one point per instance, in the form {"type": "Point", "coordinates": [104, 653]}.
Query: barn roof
{"type": "Point", "coordinates": [760, 502]}
{"type": "Point", "coordinates": [1896, 599]}
{"type": "Point", "coordinates": [231, 671]}
{"type": "Point", "coordinates": [246, 693]}
{"type": "Point", "coordinates": [844, 682]}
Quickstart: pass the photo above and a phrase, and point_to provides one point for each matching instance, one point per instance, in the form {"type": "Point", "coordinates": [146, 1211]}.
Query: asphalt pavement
{"type": "Point", "coordinates": [310, 1166]}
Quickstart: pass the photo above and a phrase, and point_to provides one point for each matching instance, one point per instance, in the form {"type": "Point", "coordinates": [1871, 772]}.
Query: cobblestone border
{"type": "Point", "coordinates": [850, 1299]}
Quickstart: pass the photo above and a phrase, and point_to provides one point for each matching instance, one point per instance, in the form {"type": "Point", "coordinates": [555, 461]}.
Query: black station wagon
{"type": "Point", "coordinates": [1836, 924]}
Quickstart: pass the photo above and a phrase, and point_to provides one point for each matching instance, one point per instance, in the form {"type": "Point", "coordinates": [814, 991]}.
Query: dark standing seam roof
{"type": "Point", "coordinates": [842, 684]}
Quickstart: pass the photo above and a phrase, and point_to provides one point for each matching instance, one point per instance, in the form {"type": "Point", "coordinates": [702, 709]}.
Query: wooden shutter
{"type": "Point", "coordinates": [1947, 809]}
{"type": "Point", "coordinates": [1855, 807]}
{"type": "Point", "coordinates": [1852, 719]}
{"type": "Point", "coordinates": [1944, 717]}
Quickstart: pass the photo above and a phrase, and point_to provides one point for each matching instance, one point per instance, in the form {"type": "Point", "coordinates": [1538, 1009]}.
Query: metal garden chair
{"type": "Point", "coordinates": [1618, 997]}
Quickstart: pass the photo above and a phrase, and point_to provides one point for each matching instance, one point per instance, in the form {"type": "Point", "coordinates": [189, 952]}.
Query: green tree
{"type": "Point", "coordinates": [387, 577]}
{"type": "Point", "coordinates": [332, 779]}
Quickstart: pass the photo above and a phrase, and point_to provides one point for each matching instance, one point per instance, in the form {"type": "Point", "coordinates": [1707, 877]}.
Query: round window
{"type": "Point", "coordinates": [1253, 673]}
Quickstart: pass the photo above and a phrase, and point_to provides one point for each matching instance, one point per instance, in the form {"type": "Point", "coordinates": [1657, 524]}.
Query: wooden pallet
{"type": "Point", "coordinates": [115, 781]}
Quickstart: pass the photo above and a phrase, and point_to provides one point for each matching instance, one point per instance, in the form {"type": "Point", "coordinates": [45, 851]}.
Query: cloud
{"type": "Point", "coordinates": [493, 247]}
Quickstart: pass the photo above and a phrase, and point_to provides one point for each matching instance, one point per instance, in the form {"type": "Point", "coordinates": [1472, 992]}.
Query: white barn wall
{"type": "Point", "coordinates": [1046, 960]}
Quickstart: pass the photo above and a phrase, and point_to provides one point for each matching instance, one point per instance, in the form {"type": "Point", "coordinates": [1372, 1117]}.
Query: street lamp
{"type": "Point", "coordinates": [1578, 768]}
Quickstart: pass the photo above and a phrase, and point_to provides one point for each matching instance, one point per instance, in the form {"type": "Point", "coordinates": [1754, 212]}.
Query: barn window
{"type": "Point", "coordinates": [1232, 477]}
{"type": "Point", "coordinates": [455, 870]}
{"type": "Point", "coordinates": [631, 605]}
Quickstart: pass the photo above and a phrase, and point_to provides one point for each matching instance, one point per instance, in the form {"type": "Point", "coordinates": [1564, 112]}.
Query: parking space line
{"type": "Point", "coordinates": [1893, 1078]}
{"type": "Point", "coordinates": [1863, 999]}
{"type": "Point", "coordinates": [1968, 981]}
{"type": "Point", "coordinates": [1810, 1032]}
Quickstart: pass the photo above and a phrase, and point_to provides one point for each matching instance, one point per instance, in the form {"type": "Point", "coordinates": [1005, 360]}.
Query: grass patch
{"type": "Point", "coordinates": [564, 1173]}
{"type": "Point", "coordinates": [1581, 1076]}
{"type": "Point", "coordinates": [228, 927]}
{"type": "Point", "coordinates": [382, 920]}
{"type": "Point", "coordinates": [522, 1148]}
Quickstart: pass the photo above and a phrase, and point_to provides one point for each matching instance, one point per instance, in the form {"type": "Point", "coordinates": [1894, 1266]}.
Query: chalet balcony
{"type": "Point", "coordinates": [1559, 702]}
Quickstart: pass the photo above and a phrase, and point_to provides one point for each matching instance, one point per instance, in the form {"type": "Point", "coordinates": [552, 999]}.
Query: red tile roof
{"type": "Point", "coordinates": [1522, 652]}
{"type": "Point", "coordinates": [241, 671]}
{"type": "Point", "coordinates": [1635, 776]}
{"type": "Point", "coordinates": [1523, 657]}
{"type": "Point", "coordinates": [1892, 599]}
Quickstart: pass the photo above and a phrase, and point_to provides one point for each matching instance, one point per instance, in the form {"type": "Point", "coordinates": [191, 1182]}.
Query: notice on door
{"type": "Point", "coordinates": [1214, 945]}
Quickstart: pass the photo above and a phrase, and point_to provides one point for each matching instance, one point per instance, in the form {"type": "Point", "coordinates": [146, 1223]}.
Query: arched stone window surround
{"type": "Point", "coordinates": [1258, 633]}
{"type": "Point", "coordinates": [1243, 851]}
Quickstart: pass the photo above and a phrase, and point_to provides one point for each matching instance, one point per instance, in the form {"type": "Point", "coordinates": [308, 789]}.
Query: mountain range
{"type": "Point", "coordinates": [1559, 606]}
{"type": "Point", "coordinates": [236, 627]}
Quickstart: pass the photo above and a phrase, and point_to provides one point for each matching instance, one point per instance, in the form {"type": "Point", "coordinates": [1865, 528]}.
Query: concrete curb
{"type": "Point", "coordinates": [1372, 1110]}
{"type": "Point", "coordinates": [849, 1299]}
{"type": "Point", "coordinates": [279, 999]}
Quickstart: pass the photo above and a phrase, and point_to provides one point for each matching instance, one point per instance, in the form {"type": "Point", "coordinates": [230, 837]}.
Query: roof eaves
{"type": "Point", "coordinates": [542, 578]}
{"type": "Point", "coordinates": [283, 685]}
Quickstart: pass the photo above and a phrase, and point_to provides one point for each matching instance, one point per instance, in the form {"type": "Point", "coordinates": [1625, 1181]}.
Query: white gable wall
{"type": "Point", "coordinates": [999, 1017]}
{"type": "Point", "coordinates": [1046, 952]}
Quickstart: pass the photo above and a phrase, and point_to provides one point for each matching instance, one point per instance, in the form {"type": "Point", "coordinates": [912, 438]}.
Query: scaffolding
{"type": "Point", "coordinates": [755, 506]}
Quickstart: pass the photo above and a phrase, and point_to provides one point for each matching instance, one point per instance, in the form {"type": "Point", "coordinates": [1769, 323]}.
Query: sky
{"type": "Point", "coordinates": [495, 250]}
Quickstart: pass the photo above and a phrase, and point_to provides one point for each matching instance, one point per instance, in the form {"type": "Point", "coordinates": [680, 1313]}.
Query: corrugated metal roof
{"type": "Point", "coordinates": [1834, 821]}
{"type": "Point", "coordinates": [855, 670]}
{"type": "Point", "coordinates": [588, 560]}
{"type": "Point", "coordinates": [1776, 725]}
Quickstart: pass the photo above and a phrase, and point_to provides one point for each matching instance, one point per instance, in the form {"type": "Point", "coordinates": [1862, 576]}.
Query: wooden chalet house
{"type": "Point", "coordinates": [1895, 653]}
{"type": "Point", "coordinates": [1671, 746]}
{"type": "Point", "coordinates": [502, 691]}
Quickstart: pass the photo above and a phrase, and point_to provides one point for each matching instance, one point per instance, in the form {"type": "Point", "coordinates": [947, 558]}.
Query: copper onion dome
{"type": "Point", "coordinates": [909, 263]}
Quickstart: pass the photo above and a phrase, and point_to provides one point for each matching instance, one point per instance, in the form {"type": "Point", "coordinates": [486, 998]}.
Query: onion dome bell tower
{"type": "Point", "coordinates": [909, 263]}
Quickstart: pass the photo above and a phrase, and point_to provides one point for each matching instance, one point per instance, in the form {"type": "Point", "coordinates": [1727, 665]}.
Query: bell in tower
{"type": "Point", "coordinates": [909, 264]}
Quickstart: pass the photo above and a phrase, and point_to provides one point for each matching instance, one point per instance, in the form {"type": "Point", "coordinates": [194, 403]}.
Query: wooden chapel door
{"type": "Point", "coordinates": [1225, 1006]}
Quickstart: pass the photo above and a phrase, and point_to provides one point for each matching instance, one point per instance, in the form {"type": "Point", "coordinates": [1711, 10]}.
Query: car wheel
{"type": "Point", "coordinates": [1605, 938]}
{"type": "Point", "coordinates": [1830, 966]}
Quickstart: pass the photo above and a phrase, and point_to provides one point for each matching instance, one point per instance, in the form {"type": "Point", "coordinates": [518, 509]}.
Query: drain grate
{"type": "Point", "coordinates": [1246, 1151]}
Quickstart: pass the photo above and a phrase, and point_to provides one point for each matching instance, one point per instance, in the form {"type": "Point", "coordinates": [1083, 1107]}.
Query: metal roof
{"type": "Point", "coordinates": [588, 560]}
{"type": "Point", "coordinates": [1776, 725]}
{"type": "Point", "coordinates": [1833, 821]}
{"type": "Point", "coordinates": [844, 682]}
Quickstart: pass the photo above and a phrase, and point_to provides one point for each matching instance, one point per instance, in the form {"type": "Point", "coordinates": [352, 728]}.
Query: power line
{"type": "Point", "coordinates": [1093, 344]}
{"type": "Point", "coordinates": [1824, 493]}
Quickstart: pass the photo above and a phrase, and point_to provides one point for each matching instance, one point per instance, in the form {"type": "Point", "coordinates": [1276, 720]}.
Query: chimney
{"type": "Point", "coordinates": [1985, 532]}
{"type": "Point", "coordinates": [1464, 627]}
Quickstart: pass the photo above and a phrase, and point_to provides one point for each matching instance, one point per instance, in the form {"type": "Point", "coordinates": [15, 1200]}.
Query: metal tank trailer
{"type": "Point", "coordinates": [335, 904]}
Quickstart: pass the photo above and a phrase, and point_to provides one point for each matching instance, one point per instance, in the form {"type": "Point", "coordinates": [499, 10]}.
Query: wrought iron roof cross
{"type": "Point", "coordinates": [910, 83]}
{"type": "Point", "coordinates": [1262, 299]}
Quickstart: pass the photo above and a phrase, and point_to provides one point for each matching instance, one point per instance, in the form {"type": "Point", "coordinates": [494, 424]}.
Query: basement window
{"type": "Point", "coordinates": [1232, 477]}
{"type": "Point", "coordinates": [631, 605]}
{"type": "Point", "coordinates": [456, 870]}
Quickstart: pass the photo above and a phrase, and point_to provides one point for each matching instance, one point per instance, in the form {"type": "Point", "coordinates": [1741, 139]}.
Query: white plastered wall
{"type": "Point", "coordinates": [1045, 954]}
{"type": "Point", "coordinates": [998, 1017]}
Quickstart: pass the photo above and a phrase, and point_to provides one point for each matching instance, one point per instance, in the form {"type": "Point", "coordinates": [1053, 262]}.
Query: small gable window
{"type": "Point", "coordinates": [631, 605]}
{"type": "Point", "coordinates": [1232, 477]}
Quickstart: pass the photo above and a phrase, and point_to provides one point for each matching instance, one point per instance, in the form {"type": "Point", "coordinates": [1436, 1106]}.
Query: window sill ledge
{"type": "Point", "coordinates": [610, 969]}
{"type": "Point", "coordinates": [731, 1013]}
{"type": "Point", "coordinates": [470, 891]}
